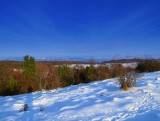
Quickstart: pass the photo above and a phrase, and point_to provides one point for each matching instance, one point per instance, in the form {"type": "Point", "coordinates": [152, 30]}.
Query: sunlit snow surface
{"type": "Point", "coordinates": [98, 101]}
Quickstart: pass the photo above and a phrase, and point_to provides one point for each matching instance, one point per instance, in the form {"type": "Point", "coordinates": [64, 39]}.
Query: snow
{"type": "Point", "coordinates": [125, 65]}
{"type": "Point", "coordinates": [98, 101]}
{"type": "Point", "coordinates": [132, 65]}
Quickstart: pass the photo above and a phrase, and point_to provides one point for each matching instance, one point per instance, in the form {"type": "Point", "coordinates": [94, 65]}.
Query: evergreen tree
{"type": "Point", "coordinates": [29, 66]}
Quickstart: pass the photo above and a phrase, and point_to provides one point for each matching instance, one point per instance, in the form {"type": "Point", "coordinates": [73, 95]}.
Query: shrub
{"type": "Point", "coordinates": [5, 72]}
{"type": "Point", "coordinates": [66, 75]}
{"type": "Point", "coordinates": [118, 70]}
{"type": "Point", "coordinates": [82, 75]}
{"type": "Point", "coordinates": [79, 74]}
{"type": "Point", "coordinates": [148, 66]}
{"type": "Point", "coordinates": [103, 72]}
{"type": "Point", "coordinates": [128, 80]}
{"type": "Point", "coordinates": [42, 72]}
{"type": "Point", "coordinates": [13, 86]}
{"type": "Point", "coordinates": [91, 74]}
{"type": "Point", "coordinates": [52, 78]}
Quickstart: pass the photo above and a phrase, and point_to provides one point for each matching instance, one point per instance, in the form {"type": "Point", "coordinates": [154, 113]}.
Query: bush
{"type": "Point", "coordinates": [103, 72]}
{"type": "Point", "coordinates": [79, 75]}
{"type": "Point", "coordinates": [5, 72]}
{"type": "Point", "coordinates": [66, 75]}
{"type": "Point", "coordinates": [148, 66]}
{"type": "Point", "coordinates": [12, 86]}
{"type": "Point", "coordinates": [91, 74]}
{"type": "Point", "coordinates": [128, 80]}
{"type": "Point", "coordinates": [52, 78]}
{"type": "Point", "coordinates": [118, 70]}
{"type": "Point", "coordinates": [41, 76]}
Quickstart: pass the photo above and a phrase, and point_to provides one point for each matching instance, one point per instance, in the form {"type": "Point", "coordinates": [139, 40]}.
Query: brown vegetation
{"type": "Point", "coordinates": [148, 65]}
{"type": "Point", "coordinates": [48, 75]}
{"type": "Point", "coordinates": [128, 80]}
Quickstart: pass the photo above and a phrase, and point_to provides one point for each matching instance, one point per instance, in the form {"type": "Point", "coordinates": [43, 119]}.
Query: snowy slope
{"type": "Point", "coordinates": [98, 101]}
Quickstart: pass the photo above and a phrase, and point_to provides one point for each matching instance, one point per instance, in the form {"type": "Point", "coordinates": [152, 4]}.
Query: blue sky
{"type": "Point", "coordinates": [79, 28]}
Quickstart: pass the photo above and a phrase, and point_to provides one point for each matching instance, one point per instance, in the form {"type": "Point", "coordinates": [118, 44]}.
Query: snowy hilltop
{"type": "Point", "coordinates": [97, 101]}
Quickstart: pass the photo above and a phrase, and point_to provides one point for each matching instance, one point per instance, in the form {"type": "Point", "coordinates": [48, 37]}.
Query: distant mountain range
{"type": "Point", "coordinates": [79, 59]}
{"type": "Point", "coordinates": [82, 59]}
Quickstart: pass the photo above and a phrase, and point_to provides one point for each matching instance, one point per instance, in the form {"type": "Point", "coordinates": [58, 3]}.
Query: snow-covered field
{"type": "Point", "coordinates": [98, 101]}
{"type": "Point", "coordinates": [132, 65]}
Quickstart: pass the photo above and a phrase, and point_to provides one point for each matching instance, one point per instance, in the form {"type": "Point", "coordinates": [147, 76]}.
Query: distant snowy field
{"type": "Point", "coordinates": [98, 101]}
{"type": "Point", "coordinates": [132, 65]}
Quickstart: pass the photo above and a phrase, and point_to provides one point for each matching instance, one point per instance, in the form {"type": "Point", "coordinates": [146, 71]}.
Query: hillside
{"type": "Point", "coordinates": [96, 101]}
